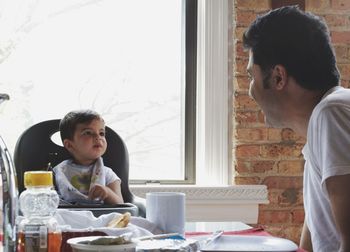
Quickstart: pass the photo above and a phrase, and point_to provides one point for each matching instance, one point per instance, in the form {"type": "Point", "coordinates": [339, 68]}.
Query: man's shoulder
{"type": "Point", "coordinates": [338, 95]}
{"type": "Point", "coordinates": [337, 98]}
{"type": "Point", "coordinates": [334, 105]}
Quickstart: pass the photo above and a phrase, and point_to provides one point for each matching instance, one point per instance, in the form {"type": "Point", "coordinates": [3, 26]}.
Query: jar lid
{"type": "Point", "coordinates": [38, 178]}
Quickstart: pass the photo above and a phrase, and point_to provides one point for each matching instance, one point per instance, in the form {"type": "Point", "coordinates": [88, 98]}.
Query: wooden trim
{"type": "Point", "coordinates": [234, 203]}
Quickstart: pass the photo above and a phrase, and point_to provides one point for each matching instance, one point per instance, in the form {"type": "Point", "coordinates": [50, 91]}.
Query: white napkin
{"type": "Point", "coordinates": [82, 221]}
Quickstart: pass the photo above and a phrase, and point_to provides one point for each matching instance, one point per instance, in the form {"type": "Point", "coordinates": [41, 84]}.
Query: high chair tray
{"type": "Point", "coordinates": [100, 209]}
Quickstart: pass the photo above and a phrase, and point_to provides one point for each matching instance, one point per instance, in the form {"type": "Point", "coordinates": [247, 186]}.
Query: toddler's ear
{"type": "Point", "coordinates": [67, 144]}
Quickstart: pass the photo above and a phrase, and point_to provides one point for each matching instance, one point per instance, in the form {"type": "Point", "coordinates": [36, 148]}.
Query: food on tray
{"type": "Point", "coordinates": [120, 221]}
{"type": "Point", "coordinates": [118, 240]}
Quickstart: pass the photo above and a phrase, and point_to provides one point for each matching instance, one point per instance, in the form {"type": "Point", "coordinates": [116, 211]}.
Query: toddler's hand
{"type": "Point", "coordinates": [98, 192]}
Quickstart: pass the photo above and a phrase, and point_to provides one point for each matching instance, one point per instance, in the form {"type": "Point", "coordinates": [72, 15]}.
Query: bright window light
{"type": "Point", "coordinates": [120, 58]}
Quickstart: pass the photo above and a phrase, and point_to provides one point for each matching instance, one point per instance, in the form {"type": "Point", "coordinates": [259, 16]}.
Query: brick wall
{"type": "Point", "coordinates": [273, 156]}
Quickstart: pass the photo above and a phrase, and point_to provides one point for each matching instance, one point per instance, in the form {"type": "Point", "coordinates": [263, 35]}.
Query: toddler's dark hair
{"type": "Point", "coordinates": [70, 121]}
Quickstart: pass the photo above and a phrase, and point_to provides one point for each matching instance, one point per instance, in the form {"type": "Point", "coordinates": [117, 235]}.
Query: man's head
{"type": "Point", "coordinates": [296, 40]}
{"type": "Point", "coordinates": [83, 135]}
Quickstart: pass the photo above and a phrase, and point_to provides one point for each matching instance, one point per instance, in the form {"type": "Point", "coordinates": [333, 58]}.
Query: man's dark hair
{"type": "Point", "coordinates": [70, 121]}
{"type": "Point", "coordinates": [297, 40]}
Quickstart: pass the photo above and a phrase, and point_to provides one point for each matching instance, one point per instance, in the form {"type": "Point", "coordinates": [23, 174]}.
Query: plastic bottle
{"type": "Point", "coordinates": [38, 231]}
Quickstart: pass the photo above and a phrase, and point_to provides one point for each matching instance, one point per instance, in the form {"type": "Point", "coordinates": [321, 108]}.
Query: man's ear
{"type": "Point", "coordinates": [279, 76]}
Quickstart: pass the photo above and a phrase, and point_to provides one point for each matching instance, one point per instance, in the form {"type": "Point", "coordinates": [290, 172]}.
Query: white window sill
{"type": "Point", "coordinates": [215, 203]}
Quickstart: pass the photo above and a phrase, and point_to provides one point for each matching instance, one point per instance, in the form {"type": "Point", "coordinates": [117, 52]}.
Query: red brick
{"type": "Point", "coordinates": [298, 216]}
{"type": "Point", "coordinates": [247, 180]}
{"type": "Point", "coordinates": [278, 199]}
{"type": "Point", "coordinates": [242, 167]}
{"type": "Point", "coordinates": [239, 36]}
{"type": "Point", "coordinates": [261, 117]}
{"type": "Point", "coordinates": [258, 134]}
{"type": "Point", "coordinates": [241, 66]}
{"type": "Point", "coordinates": [317, 5]}
{"type": "Point", "coordinates": [342, 53]}
{"type": "Point", "coordinates": [334, 20]}
{"type": "Point", "coordinates": [280, 3]}
{"type": "Point", "coordinates": [245, 102]}
{"type": "Point", "coordinates": [262, 166]}
{"type": "Point", "coordinates": [246, 118]}
{"type": "Point", "coordinates": [341, 37]}
{"type": "Point", "coordinates": [266, 207]}
{"type": "Point", "coordinates": [281, 150]}
{"type": "Point", "coordinates": [274, 196]}
{"type": "Point", "coordinates": [345, 83]}
{"type": "Point", "coordinates": [344, 71]}
{"type": "Point", "coordinates": [274, 230]}
{"type": "Point", "coordinates": [241, 52]}
{"type": "Point", "coordinates": [292, 232]}
{"type": "Point", "coordinates": [242, 83]}
{"type": "Point", "coordinates": [290, 197]}
{"type": "Point", "coordinates": [244, 18]}
{"type": "Point", "coordinates": [340, 4]}
{"type": "Point", "coordinates": [285, 230]}
{"type": "Point", "coordinates": [248, 151]}
{"type": "Point", "coordinates": [277, 216]}
{"type": "Point", "coordinates": [260, 5]}
{"type": "Point", "coordinates": [288, 135]}
{"type": "Point", "coordinates": [274, 135]}
{"type": "Point", "coordinates": [291, 167]}
{"type": "Point", "coordinates": [279, 182]}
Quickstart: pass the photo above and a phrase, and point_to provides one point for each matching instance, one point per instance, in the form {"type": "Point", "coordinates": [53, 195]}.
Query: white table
{"type": "Point", "coordinates": [214, 226]}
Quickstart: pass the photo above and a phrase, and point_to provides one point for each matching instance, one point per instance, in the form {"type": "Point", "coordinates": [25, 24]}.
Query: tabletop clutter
{"type": "Point", "coordinates": [42, 227]}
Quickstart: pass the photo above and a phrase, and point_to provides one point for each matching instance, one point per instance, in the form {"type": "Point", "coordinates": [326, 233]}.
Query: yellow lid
{"type": "Point", "coordinates": [38, 178]}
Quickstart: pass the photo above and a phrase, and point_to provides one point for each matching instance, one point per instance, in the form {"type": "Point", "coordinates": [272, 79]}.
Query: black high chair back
{"type": "Point", "coordinates": [35, 150]}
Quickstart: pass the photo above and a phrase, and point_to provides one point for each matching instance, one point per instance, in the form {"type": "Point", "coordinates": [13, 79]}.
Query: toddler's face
{"type": "Point", "coordinates": [89, 142]}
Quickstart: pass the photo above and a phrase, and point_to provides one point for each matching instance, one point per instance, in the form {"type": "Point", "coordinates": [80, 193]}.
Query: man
{"type": "Point", "coordinates": [295, 80]}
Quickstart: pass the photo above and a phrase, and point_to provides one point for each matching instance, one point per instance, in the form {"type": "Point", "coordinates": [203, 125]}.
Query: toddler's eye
{"type": "Point", "coordinates": [87, 133]}
{"type": "Point", "coordinates": [102, 134]}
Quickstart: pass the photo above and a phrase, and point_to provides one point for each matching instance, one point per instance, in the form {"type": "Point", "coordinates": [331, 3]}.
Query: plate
{"type": "Point", "coordinates": [81, 247]}
{"type": "Point", "coordinates": [249, 243]}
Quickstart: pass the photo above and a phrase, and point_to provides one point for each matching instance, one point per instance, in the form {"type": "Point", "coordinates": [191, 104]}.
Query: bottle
{"type": "Point", "coordinates": [38, 231]}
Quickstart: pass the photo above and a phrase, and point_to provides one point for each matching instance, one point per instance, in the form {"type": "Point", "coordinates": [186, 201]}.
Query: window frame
{"type": "Point", "coordinates": [209, 142]}
{"type": "Point", "coordinates": [190, 89]}
{"type": "Point", "coordinates": [215, 93]}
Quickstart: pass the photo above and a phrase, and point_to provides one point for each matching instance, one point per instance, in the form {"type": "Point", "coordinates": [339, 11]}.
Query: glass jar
{"type": "Point", "coordinates": [38, 231]}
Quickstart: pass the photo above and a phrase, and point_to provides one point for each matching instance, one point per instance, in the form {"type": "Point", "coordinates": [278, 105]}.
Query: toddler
{"type": "Point", "coordinates": [84, 177]}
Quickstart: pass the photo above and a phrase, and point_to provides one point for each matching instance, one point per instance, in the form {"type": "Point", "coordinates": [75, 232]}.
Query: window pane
{"type": "Point", "coordinates": [120, 58]}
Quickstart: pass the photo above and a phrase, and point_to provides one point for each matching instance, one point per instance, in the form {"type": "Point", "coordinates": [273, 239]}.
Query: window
{"type": "Point", "coordinates": [124, 59]}
{"type": "Point", "coordinates": [58, 55]}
